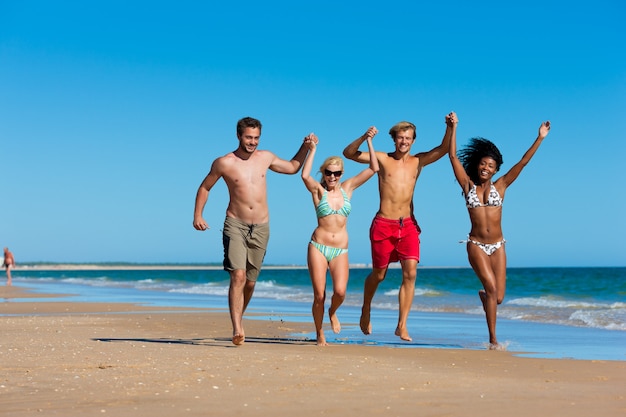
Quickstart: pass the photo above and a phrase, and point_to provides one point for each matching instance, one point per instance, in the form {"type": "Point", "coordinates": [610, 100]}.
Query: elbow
{"type": "Point", "coordinates": [294, 169]}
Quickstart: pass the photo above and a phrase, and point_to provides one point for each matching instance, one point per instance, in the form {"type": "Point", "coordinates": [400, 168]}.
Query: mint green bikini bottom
{"type": "Point", "coordinates": [329, 253]}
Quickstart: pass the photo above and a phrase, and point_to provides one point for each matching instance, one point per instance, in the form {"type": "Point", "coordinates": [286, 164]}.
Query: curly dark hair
{"type": "Point", "coordinates": [477, 149]}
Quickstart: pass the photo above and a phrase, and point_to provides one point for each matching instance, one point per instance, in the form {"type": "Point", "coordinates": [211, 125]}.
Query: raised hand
{"type": "Point", "coordinates": [451, 119]}
{"type": "Point", "coordinates": [311, 140]}
{"type": "Point", "coordinates": [371, 132]}
{"type": "Point", "coordinates": [544, 129]}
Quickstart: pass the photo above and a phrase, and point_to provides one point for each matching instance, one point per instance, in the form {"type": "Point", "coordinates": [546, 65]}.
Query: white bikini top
{"type": "Point", "coordinates": [493, 200]}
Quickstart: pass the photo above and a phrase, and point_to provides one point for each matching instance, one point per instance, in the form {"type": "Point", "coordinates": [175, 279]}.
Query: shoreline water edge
{"type": "Point", "coordinates": [574, 321]}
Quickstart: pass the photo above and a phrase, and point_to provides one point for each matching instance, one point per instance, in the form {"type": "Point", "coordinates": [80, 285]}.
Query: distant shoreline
{"type": "Point", "coordinates": [121, 266]}
{"type": "Point", "coordinates": [146, 267]}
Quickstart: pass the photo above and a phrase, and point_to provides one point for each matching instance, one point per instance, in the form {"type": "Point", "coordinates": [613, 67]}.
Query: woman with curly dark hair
{"type": "Point", "coordinates": [474, 168]}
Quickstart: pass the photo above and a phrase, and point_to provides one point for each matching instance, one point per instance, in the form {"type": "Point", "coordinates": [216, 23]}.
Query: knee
{"type": "Point", "coordinates": [490, 290]}
{"type": "Point", "coordinates": [340, 295]}
{"type": "Point", "coordinates": [409, 276]}
{"type": "Point", "coordinates": [378, 275]}
{"type": "Point", "coordinates": [238, 278]}
{"type": "Point", "coordinates": [319, 299]}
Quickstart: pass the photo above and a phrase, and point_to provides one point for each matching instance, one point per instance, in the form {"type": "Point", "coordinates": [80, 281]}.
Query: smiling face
{"type": "Point", "coordinates": [487, 167]}
{"type": "Point", "coordinates": [404, 140]}
{"type": "Point", "coordinates": [249, 139]}
{"type": "Point", "coordinates": [332, 173]}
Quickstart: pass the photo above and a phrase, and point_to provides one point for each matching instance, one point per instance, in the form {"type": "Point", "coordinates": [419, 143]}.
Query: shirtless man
{"type": "Point", "coordinates": [246, 228]}
{"type": "Point", "coordinates": [9, 263]}
{"type": "Point", "coordinates": [394, 232]}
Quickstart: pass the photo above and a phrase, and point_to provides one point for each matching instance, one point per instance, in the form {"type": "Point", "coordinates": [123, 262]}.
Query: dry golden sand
{"type": "Point", "coordinates": [87, 359]}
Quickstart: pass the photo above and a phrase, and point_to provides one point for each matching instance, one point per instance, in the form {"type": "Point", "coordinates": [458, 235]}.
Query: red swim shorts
{"type": "Point", "coordinates": [394, 240]}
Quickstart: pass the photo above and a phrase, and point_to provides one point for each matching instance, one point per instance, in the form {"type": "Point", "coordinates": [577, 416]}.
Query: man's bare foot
{"type": "Point", "coordinates": [334, 322]}
{"type": "Point", "coordinates": [321, 338]}
{"type": "Point", "coordinates": [403, 334]}
{"type": "Point", "coordinates": [238, 339]}
{"type": "Point", "coordinates": [496, 346]}
{"type": "Point", "coordinates": [366, 325]}
{"type": "Point", "coordinates": [483, 299]}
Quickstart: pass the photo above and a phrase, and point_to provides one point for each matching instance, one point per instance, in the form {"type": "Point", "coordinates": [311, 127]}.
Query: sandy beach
{"type": "Point", "coordinates": [77, 359]}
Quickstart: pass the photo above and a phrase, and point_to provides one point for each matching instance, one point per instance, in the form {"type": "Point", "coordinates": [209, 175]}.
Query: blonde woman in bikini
{"type": "Point", "coordinates": [328, 248]}
{"type": "Point", "coordinates": [474, 168]}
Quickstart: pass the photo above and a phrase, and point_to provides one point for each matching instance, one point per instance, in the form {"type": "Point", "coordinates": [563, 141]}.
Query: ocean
{"type": "Point", "coordinates": [574, 313]}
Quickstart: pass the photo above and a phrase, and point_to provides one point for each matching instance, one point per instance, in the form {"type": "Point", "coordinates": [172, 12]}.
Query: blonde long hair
{"type": "Point", "coordinates": [331, 160]}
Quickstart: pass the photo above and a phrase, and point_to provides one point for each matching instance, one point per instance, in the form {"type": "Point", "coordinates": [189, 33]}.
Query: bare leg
{"type": "Point", "coordinates": [318, 319]}
{"type": "Point", "coordinates": [339, 272]}
{"type": "Point", "coordinates": [371, 285]}
{"type": "Point", "coordinates": [248, 290]}
{"type": "Point", "coordinates": [483, 267]}
{"type": "Point", "coordinates": [483, 299]}
{"type": "Point", "coordinates": [498, 264]}
{"type": "Point", "coordinates": [317, 271]}
{"type": "Point", "coordinates": [405, 297]}
{"type": "Point", "coordinates": [9, 281]}
{"type": "Point", "coordinates": [239, 295]}
{"type": "Point", "coordinates": [335, 302]}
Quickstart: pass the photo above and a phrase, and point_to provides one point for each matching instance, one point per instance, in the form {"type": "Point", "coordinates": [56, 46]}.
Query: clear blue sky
{"type": "Point", "coordinates": [111, 113]}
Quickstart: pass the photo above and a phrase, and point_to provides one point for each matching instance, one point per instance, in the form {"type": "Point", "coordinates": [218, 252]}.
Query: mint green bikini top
{"type": "Point", "coordinates": [323, 209]}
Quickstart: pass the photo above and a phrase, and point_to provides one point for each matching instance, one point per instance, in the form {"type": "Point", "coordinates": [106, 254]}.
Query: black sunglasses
{"type": "Point", "coordinates": [328, 173]}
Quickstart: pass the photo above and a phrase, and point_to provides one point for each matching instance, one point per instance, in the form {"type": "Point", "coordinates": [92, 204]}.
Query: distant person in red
{"type": "Point", "coordinates": [9, 263]}
{"type": "Point", "coordinates": [474, 168]}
